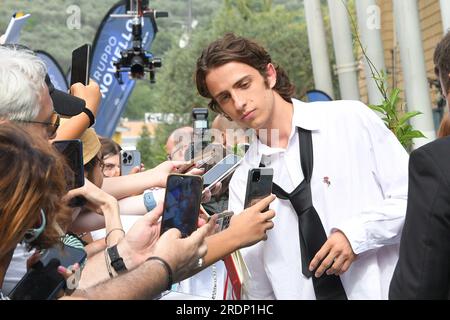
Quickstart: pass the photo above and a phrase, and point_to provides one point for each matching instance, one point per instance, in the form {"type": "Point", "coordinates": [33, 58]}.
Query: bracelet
{"type": "Point", "coordinates": [90, 116]}
{"type": "Point", "coordinates": [107, 235]}
{"type": "Point", "coordinates": [108, 265]}
{"type": "Point", "coordinates": [168, 269]}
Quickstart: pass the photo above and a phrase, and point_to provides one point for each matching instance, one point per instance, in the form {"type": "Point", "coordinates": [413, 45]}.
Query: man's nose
{"type": "Point", "coordinates": [239, 101]}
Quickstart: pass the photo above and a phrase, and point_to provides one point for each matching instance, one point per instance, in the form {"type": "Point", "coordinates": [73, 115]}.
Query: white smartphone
{"type": "Point", "coordinates": [221, 170]}
{"type": "Point", "coordinates": [128, 160]}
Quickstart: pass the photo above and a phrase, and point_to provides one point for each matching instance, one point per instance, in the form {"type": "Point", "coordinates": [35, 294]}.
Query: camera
{"type": "Point", "coordinates": [200, 125]}
{"type": "Point", "coordinates": [200, 118]}
{"type": "Point", "coordinates": [256, 176]}
{"type": "Point", "coordinates": [136, 60]}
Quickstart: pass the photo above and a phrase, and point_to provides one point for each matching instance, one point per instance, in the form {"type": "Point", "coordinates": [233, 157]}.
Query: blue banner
{"type": "Point", "coordinates": [54, 71]}
{"type": "Point", "coordinates": [317, 95]}
{"type": "Point", "coordinates": [113, 36]}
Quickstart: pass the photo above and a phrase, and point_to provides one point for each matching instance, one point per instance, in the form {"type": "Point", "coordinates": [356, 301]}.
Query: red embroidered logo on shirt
{"type": "Point", "coordinates": [327, 181]}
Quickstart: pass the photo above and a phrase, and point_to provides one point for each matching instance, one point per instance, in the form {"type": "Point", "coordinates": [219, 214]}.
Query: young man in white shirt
{"type": "Point", "coordinates": [358, 187]}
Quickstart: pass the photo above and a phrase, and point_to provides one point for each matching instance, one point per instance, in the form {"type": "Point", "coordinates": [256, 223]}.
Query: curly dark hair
{"type": "Point", "coordinates": [232, 48]}
{"type": "Point", "coordinates": [442, 62]}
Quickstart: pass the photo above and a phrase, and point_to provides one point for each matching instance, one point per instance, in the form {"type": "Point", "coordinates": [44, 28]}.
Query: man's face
{"type": "Point", "coordinates": [243, 94]}
{"type": "Point", "coordinates": [45, 113]}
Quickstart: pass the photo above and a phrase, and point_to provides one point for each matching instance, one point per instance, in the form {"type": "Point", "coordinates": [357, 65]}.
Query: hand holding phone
{"type": "Point", "coordinates": [223, 219]}
{"type": "Point", "coordinates": [259, 186]}
{"type": "Point", "coordinates": [129, 159]}
{"type": "Point", "coordinates": [42, 281]}
{"type": "Point", "coordinates": [182, 203]}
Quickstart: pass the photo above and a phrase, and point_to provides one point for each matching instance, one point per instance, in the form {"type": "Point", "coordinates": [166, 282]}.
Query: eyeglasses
{"type": "Point", "coordinates": [33, 234]}
{"type": "Point", "coordinates": [52, 126]}
{"type": "Point", "coordinates": [110, 166]}
{"type": "Point", "coordinates": [178, 149]}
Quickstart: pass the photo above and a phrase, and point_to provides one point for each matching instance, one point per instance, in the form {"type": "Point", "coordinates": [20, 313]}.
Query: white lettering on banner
{"type": "Point", "coordinates": [112, 41]}
{"type": "Point", "coordinates": [117, 52]}
{"type": "Point", "coordinates": [97, 75]}
{"type": "Point", "coordinates": [104, 57]}
{"type": "Point", "coordinates": [129, 25]}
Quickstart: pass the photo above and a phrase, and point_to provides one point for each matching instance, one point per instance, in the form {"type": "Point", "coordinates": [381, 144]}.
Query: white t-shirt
{"type": "Point", "coordinates": [17, 268]}
{"type": "Point", "coordinates": [359, 186]}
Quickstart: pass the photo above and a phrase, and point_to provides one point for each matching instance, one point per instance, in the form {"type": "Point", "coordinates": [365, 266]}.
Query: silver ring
{"type": "Point", "coordinates": [200, 262]}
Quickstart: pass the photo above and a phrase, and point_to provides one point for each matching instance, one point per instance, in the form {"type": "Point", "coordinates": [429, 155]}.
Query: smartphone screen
{"type": "Point", "coordinates": [42, 281]}
{"type": "Point", "coordinates": [73, 152]}
{"type": "Point", "coordinates": [221, 170]}
{"type": "Point", "coordinates": [182, 203]}
{"type": "Point", "coordinates": [80, 65]}
{"type": "Point", "coordinates": [259, 186]}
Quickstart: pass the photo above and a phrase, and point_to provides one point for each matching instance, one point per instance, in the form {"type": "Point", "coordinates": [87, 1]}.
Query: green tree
{"type": "Point", "coordinates": [151, 149]}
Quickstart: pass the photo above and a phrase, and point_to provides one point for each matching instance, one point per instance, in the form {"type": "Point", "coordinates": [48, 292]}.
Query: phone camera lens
{"type": "Point", "coordinates": [256, 176]}
{"type": "Point", "coordinates": [129, 158]}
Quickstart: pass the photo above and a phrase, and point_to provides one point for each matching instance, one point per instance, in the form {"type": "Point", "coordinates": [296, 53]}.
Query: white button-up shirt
{"type": "Point", "coordinates": [359, 186]}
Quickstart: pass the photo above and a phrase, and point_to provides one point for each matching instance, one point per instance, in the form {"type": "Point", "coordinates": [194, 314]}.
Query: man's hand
{"type": "Point", "coordinates": [336, 256]}
{"type": "Point", "coordinates": [140, 240]}
{"type": "Point", "coordinates": [98, 200]}
{"type": "Point", "coordinates": [90, 93]}
{"type": "Point", "coordinates": [161, 171]}
{"type": "Point", "coordinates": [251, 225]}
{"type": "Point", "coordinates": [183, 254]}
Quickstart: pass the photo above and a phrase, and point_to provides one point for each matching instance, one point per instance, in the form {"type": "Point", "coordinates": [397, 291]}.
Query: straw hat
{"type": "Point", "coordinates": [91, 143]}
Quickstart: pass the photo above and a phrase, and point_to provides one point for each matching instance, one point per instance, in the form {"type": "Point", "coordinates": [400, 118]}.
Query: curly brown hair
{"type": "Point", "coordinates": [32, 179]}
{"type": "Point", "coordinates": [232, 48]}
{"type": "Point", "coordinates": [442, 62]}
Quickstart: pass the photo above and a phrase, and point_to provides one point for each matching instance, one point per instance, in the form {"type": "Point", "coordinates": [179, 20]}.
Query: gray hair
{"type": "Point", "coordinates": [22, 78]}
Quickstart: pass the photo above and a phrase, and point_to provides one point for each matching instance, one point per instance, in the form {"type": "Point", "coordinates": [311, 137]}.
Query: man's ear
{"type": "Point", "coordinates": [271, 75]}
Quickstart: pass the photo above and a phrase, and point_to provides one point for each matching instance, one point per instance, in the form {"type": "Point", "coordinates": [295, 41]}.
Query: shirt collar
{"type": "Point", "coordinates": [305, 116]}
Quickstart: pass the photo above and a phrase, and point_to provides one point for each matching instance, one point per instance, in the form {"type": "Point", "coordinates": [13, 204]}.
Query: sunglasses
{"type": "Point", "coordinates": [51, 126]}
{"type": "Point", "coordinates": [33, 234]}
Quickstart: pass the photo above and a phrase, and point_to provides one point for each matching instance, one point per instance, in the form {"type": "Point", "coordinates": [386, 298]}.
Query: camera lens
{"type": "Point", "coordinates": [256, 176]}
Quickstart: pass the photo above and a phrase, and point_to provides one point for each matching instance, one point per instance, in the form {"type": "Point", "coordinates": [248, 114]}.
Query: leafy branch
{"type": "Point", "coordinates": [396, 121]}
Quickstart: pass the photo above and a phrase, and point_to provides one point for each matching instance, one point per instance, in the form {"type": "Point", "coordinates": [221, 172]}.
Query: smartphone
{"type": "Point", "coordinates": [259, 186]}
{"type": "Point", "coordinates": [42, 281]}
{"type": "Point", "coordinates": [80, 65]}
{"type": "Point", "coordinates": [72, 150]}
{"type": "Point", "coordinates": [128, 160]}
{"type": "Point", "coordinates": [221, 170]}
{"type": "Point", "coordinates": [223, 219]}
{"type": "Point", "coordinates": [182, 203]}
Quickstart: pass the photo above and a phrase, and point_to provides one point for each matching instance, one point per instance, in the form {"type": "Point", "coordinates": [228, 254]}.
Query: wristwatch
{"type": "Point", "coordinates": [90, 115]}
{"type": "Point", "coordinates": [116, 260]}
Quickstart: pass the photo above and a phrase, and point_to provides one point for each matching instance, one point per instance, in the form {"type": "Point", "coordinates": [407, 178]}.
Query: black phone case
{"type": "Point", "coordinates": [80, 65]}
{"type": "Point", "coordinates": [42, 281]}
{"type": "Point", "coordinates": [257, 190]}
